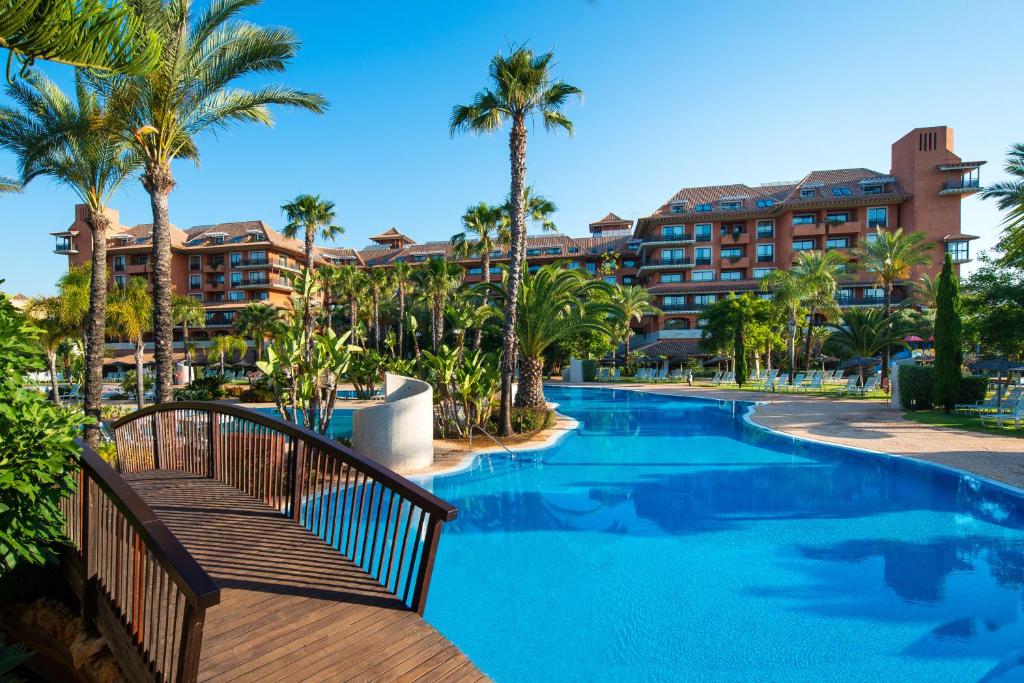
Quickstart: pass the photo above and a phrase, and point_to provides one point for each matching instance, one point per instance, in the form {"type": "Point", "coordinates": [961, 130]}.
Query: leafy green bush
{"type": "Point", "coordinates": [916, 386]}
{"type": "Point", "coordinates": [257, 394]}
{"type": "Point", "coordinates": [972, 389]}
{"type": "Point", "coordinates": [38, 458]}
{"type": "Point", "coordinates": [128, 383]}
{"type": "Point", "coordinates": [527, 420]}
{"type": "Point", "coordinates": [205, 388]}
{"type": "Point", "coordinates": [589, 370]}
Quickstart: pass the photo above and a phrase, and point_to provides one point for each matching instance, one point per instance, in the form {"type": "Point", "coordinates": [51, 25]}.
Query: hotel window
{"type": "Point", "coordinates": [844, 295]}
{"type": "Point", "coordinates": [119, 263]}
{"type": "Point", "coordinates": [197, 297]}
{"type": "Point", "coordinates": [669, 278]}
{"type": "Point", "coordinates": [837, 216]}
{"type": "Point", "coordinates": [496, 253]}
{"type": "Point", "coordinates": [591, 267]}
{"type": "Point", "coordinates": [553, 251]}
{"type": "Point", "coordinates": [236, 279]}
{"type": "Point", "coordinates": [808, 193]}
{"type": "Point", "coordinates": [737, 229]}
{"type": "Point", "coordinates": [258, 276]}
{"type": "Point", "coordinates": [841, 191]}
{"type": "Point", "coordinates": [236, 296]}
{"type": "Point", "coordinates": [874, 294]}
{"type": "Point", "coordinates": [761, 272]}
{"type": "Point", "coordinates": [765, 253]}
{"type": "Point", "coordinates": [765, 230]}
{"type": "Point", "coordinates": [236, 258]}
{"type": "Point", "coordinates": [958, 250]}
{"type": "Point", "coordinates": [705, 299]}
{"type": "Point", "coordinates": [215, 297]}
{"type": "Point", "coordinates": [874, 188]}
{"type": "Point", "coordinates": [670, 231]}
{"type": "Point", "coordinates": [677, 208]}
{"type": "Point", "coordinates": [673, 301]}
{"type": "Point", "coordinates": [534, 268]}
{"type": "Point", "coordinates": [878, 217]}
{"type": "Point", "coordinates": [629, 264]}
{"type": "Point", "coordinates": [120, 280]}
{"type": "Point", "coordinates": [731, 252]}
{"type": "Point", "coordinates": [702, 232]}
{"type": "Point", "coordinates": [677, 324]}
{"type": "Point", "coordinates": [574, 250]}
{"type": "Point", "coordinates": [216, 261]}
{"type": "Point", "coordinates": [218, 279]}
{"type": "Point", "coordinates": [702, 256]}
{"type": "Point", "coordinates": [628, 280]}
{"type": "Point", "coordinates": [871, 237]}
{"type": "Point", "coordinates": [533, 252]}
{"type": "Point", "coordinates": [730, 206]}
{"type": "Point", "coordinates": [611, 279]}
{"type": "Point", "coordinates": [837, 243]}
{"type": "Point", "coordinates": [702, 208]}
{"type": "Point", "coordinates": [194, 262]}
{"type": "Point", "coordinates": [765, 203]}
{"type": "Point", "coordinates": [260, 296]}
{"type": "Point", "coordinates": [673, 255]}
{"type": "Point", "coordinates": [765, 296]}
{"type": "Point", "coordinates": [218, 239]}
{"type": "Point", "coordinates": [574, 265]}
{"type": "Point", "coordinates": [803, 245]}
{"type": "Point", "coordinates": [195, 282]}
{"type": "Point", "coordinates": [495, 270]}
{"type": "Point", "coordinates": [804, 219]}
{"type": "Point", "coordinates": [257, 257]}
{"type": "Point", "coordinates": [702, 276]}
{"type": "Point", "coordinates": [476, 271]}
{"type": "Point", "coordinates": [732, 275]}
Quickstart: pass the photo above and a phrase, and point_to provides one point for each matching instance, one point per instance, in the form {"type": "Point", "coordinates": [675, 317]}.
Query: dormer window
{"type": "Point", "coordinates": [702, 208]}
{"type": "Point", "coordinates": [841, 191]}
{"type": "Point", "coordinates": [733, 205]}
{"type": "Point", "coordinates": [875, 185]}
{"type": "Point", "coordinates": [678, 207]}
{"type": "Point", "coordinates": [533, 252]}
{"type": "Point", "coordinates": [808, 192]}
{"type": "Point", "coordinates": [765, 203]}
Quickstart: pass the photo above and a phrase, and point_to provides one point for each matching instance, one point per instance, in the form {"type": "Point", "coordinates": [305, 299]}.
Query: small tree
{"type": "Point", "coordinates": [948, 344]}
{"type": "Point", "coordinates": [739, 350]}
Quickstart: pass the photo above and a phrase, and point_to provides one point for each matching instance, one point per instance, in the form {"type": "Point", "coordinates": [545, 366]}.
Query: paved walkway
{"type": "Point", "coordinates": [874, 425]}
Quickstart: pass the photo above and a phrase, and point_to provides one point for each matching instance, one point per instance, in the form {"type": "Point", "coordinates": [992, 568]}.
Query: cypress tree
{"type": "Point", "coordinates": [740, 350]}
{"type": "Point", "coordinates": [948, 348]}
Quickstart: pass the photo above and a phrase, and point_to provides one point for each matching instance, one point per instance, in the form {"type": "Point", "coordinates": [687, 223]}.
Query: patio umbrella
{"type": "Point", "coordinates": [912, 338]}
{"type": "Point", "coordinates": [991, 364]}
{"type": "Point", "coordinates": [717, 360]}
{"type": "Point", "coordinates": [857, 362]}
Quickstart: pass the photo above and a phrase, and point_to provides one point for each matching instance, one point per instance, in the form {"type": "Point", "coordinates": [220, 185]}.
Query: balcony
{"type": "Point", "coordinates": [657, 263]}
{"type": "Point", "coordinates": [808, 229]}
{"type": "Point", "coordinates": [219, 320]}
{"type": "Point", "coordinates": [735, 261]}
{"type": "Point", "coordinates": [867, 300]}
{"type": "Point", "coordinates": [684, 238]}
{"type": "Point", "coordinates": [215, 282]}
{"type": "Point", "coordinates": [251, 263]}
{"type": "Point", "coordinates": [682, 308]}
{"type": "Point", "coordinates": [702, 238]}
{"type": "Point", "coordinates": [702, 261]}
{"type": "Point", "coordinates": [730, 237]}
{"type": "Point", "coordinates": [263, 283]}
{"type": "Point", "coordinates": [961, 186]}
{"type": "Point", "coordinates": [65, 248]}
{"type": "Point", "coordinates": [838, 227]}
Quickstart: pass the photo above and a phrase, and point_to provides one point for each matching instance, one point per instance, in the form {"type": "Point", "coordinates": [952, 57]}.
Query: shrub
{"type": "Point", "coordinates": [38, 458]}
{"type": "Point", "coordinates": [128, 383]}
{"type": "Point", "coordinates": [916, 386]}
{"type": "Point", "coordinates": [257, 394]}
{"type": "Point", "coordinates": [589, 370]}
{"type": "Point", "coordinates": [205, 388]}
{"type": "Point", "coordinates": [972, 389]}
{"type": "Point", "coordinates": [527, 420]}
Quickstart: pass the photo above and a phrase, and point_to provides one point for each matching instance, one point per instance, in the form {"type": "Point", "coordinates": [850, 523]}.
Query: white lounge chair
{"type": "Point", "coordinates": [798, 380]}
{"type": "Point", "coordinates": [871, 385]}
{"type": "Point", "coordinates": [616, 375]}
{"type": "Point", "coordinates": [814, 384]}
{"type": "Point", "coordinates": [717, 378]}
{"type": "Point", "coordinates": [852, 386]}
{"type": "Point", "coordinates": [769, 380]}
{"type": "Point", "coordinates": [1015, 414]}
{"type": "Point", "coordinates": [993, 404]}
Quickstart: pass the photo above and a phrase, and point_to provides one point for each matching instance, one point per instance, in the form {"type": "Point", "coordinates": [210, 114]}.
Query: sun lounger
{"type": "Point", "coordinates": [769, 380]}
{"type": "Point", "coordinates": [991, 405]}
{"type": "Point", "coordinates": [1014, 414]}
{"type": "Point", "coordinates": [717, 378]}
{"type": "Point", "coordinates": [852, 386]}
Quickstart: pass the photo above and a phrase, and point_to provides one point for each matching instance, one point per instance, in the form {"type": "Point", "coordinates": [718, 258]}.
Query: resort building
{"type": "Point", "coordinates": [700, 245]}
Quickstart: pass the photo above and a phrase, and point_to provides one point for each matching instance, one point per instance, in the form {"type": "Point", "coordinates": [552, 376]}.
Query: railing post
{"type": "Point", "coordinates": [191, 643]}
{"type": "Point", "coordinates": [214, 439]}
{"type": "Point", "coordinates": [297, 469]}
{"type": "Point", "coordinates": [88, 580]}
{"type": "Point", "coordinates": [156, 441]}
{"type": "Point", "coordinates": [419, 595]}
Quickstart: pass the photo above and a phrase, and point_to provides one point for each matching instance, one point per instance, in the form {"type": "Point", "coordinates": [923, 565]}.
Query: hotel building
{"type": "Point", "coordinates": [703, 243]}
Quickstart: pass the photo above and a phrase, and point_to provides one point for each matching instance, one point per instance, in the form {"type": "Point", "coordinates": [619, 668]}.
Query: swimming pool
{"type": "Point", "coordinates": [340, 426]}
{"type": "Point", "coordinates": [668, 539]}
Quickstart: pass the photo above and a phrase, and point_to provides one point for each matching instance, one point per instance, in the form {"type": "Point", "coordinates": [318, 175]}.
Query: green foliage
{"type": "Point", "coordinates": [366, 372]}
{"type": "Point", "coordinates": [917, 386]}
{"type": "Point", "coordinates": [948, 341]}
{"type": "Point", "coordinates": [993, 308]}
{"type": "Point", "coordinates": [1009, 196]}
{"type": "Point", "coordinates": [207, 388]}
{"type": "Point", "coordinates": [864, 332]}
{"type": "Point", "coordinates": [38, 458]}
{"type": "Point", "coordinates": [529, 420]}
{"type": "Point", "coordinates": [128, 384]}
{"type": "Point", "coordinates": [739, 354]}
{"type": "Point", "coordinates": [739, 325]}
{"type": "Point", "coordinates": [464, 389]}
{"type": "Point", "coordinates": [972, 389]}
{"type": "Point", "coordinates": [589, 370]}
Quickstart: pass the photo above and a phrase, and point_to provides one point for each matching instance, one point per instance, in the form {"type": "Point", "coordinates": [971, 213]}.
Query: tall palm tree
{"type": "Point", "coordinates": [554, 304]}
{"type": "Point", "coordinates": [539, 209]}
{"type": "Point", "coordinates": [378, 282]}
{"type": "Point", "coordinates": [633, 303]}
{"type": "Point", "coordinates": [819, 270]}
{"type": "Point", "coordinates": [926, 289]}
{"type": "Point", "coordinates": [259, 322]}
{"type": "Point", "coordinates": [863, 332]}
{"type": "Point", "coordinates": [789, 293]}
{"type": "Point", "coordinates": [436, 281]}
{"type": "Point", "coordinates": [226, 346]}
{"type": "Point", "coordinates": [9, 185]}
{"type": "Point", "coordinates": [188, 312]}
{"type": "Point", "coordinates": [891, 257]}
{"type": "Point", "coordinates": [309, 216]}
{"type": "Point", "coordinates": [485, 229]}
{"type": "Point", "coordinates": [348, 283]}
{"type": "Point", "coordinates": [130, 315]}
{"type": "Point", "coordinates": [194, 90]}
{"type": "Point", "coordinates": [401, 274]}
{"type": "Point", "coordinates": [521, 86]}
{"type": "Point", "coordinates": [53, 331]}
{"type": "Point", "coordinates": [1009, 196]}
{"type": "Point", "coordinates": [70, 141]}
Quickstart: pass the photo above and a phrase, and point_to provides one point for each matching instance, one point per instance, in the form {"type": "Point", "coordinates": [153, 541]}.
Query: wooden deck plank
{"type": "Point", "coordinates": [292, 608]}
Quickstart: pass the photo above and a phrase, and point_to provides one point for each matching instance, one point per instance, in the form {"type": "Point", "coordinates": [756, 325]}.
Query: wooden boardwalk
{"type": "Point", "coordinates": [292, 608]}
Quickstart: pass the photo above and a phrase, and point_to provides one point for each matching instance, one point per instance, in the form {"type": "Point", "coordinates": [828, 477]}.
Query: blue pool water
{"type": "Point", "coordinates": [668, 539]}
{"type": "Point", "coordinates": [340, 426]}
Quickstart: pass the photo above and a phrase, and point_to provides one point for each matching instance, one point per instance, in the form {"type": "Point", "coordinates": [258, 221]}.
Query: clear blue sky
{"type": "Point", "coordinates": [677, 94]}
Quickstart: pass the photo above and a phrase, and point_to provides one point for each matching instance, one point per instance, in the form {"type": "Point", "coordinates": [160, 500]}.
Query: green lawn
{"type": "Point", "coordinates": [970, 423]}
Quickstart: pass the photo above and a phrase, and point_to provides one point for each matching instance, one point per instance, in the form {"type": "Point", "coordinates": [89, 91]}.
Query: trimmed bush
{"type": "Point", "coordinates": [589, 370]}
{"type": "Point", "coordinates": [972, 389]}
{"type": "Point", "coordinates": [205, 388]}
{"type": "Point", "coordinates": [917, 384]}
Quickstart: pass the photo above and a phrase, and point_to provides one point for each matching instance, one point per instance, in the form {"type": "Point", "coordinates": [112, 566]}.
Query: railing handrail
{"type": "Point", "coordinates": [195, 584]}
{"type": "Point", "coordinates": [410, 491]}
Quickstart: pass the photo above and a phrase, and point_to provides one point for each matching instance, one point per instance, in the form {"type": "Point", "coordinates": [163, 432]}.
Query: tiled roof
{"type": "Point", "coordinates": [344, 254]}
{"type": "Point", "coordinates": [390, 234]}
{"type": "Point", "coordinates": [142, 235]}
{"type": "Point", "coordinates": [959, 236]}
{"type": "Point", "coordinates": [611, 218]}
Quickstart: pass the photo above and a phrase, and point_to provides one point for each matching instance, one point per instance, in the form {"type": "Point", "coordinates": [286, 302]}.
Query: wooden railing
{"type": "Point", "coordinates": [379, 520]}
{"type": "Point", "coordinates": [137, 584]}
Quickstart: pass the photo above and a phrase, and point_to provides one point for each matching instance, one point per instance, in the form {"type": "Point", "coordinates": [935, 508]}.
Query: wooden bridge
{"type": "Point", "coordinates": [232, 546]}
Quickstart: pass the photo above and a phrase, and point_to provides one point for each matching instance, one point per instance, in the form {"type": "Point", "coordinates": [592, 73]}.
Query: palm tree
{"type": "Point", "coordinates": [789, 293]}
{"type": "Point", "coordinates": [401, 274]}
{"type": "Point", "coordinates": [554, 305]}
{"type": "Point", "coordinates": [226, 346]}
{"type": "Point", "coordinates": [1009, 196]}
{"type": "Point", "coordinates": [863, 332]}
{"type": "Point", "coordinates": [819, 271]}
{"type": "Point", "coordinates": [485, 230]}
{"type": "Point", "coordinates": [436, 281]}
{"type": "Point", "coordinates": [521, 87]}
{"type": "Point", "coordinates": [539, 209]}
{"type": "Point", "coordinates": [9, 185]}
{"type": "Point", "coordinates": [410, 323]}
{"type": "Point", "coordinates": [187, 312]}
{"type": "Point", "coordinates": [891, 257]}
{"type": "Point", "coordinates": [130, 315]}
{"type": "Point", "coordinates": [348, 283]}
{"type": "Point", "coordinates": [194, 90]}
{"type": "Point", "coordinates": [927, 290]}
{"type": "Point", "coordinates": [53, 331]}
{"type": "Point", "coordinates": [258, 322]}
{"type": "Point", "coordinates": [70, 142]}
{"type": "Point", "coordinates": [633, 303]}
{"type": "Point", "coordinates": [309, 215]}
{"type": "Point", "coordinates": [378, 281]}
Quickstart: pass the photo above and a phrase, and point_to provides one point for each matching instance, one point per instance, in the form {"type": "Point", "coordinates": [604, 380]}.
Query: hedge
{"type": "Point", "coordinates": [917, 383]}
{"type": "Point", "coordinates": [589, 370]}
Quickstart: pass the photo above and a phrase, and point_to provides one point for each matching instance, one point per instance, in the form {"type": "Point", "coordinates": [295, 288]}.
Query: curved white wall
{"type": "Point", "coordinates": [399, 433]}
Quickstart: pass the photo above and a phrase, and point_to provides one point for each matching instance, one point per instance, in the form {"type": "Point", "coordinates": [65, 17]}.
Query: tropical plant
{"type": "Point", "coordinates": [466, 313]}
{"type": "Point", "coordinates": [949, 355]}
{"type": "Point", "coordinates": [188, 312]}
{"type": "Point", "coordinates": [96, 34]}
{"type": "Point", "coordinates": [891, 257]}
{"type": "Point", "coordinates": [194, 90]}
{"type": "Point", "coordinates": [926, 289]}
{"type": "Point", "coordinates": [308, 215]}
{"type": "Point", "coordinates": [9, 185]}
{"type": "Point", "coordinates": [737, 325]}
{"type": "Point", "coordinates": [366, 372]}
{"type": "Point", "coordinates": [259, 322]}
{"type": "Point", "coordinates": [436, 280]}
{"type": "Point", "coordinates": [410, 323]}
{"type": "Point", "coordinates": [348, 283]}
{"type": "Point", "coordinates": [789, 293]}
{"type": "Point", "coordinates": [993, 306]}
{"type": "Point", "coordinates": [864, 332]}
{"type": "Point", "coordinates": [633, 304]}
{"type": "Point", "coordinates": [226, 346]}
{"type": "Point", "coordinates": [819, 271]}
{"type": "Point", "coordinates": [1009, 196]}
{"type": "Point", "coordinates": [401, 274]}
{"type": "Point", "coordinates": [53, 330]}
{"type": "Point", "coordinates": [378, 282]}
{"type": "Point", "coordinates": [130, 315]}
{"type": "Point", "coordinates": [71, 142]}
{"type": "Point", "coordinates": [521, 87]}
{"type": "Point", "coordinates": [553, 304]}
{"type": "Point", "coordinates": [464, 389]}
{"type": "Point", "coordinates": [485, 230]}
{"type": "Point", "coordinates": [39, 458]}
{"type": "Point", "coordinates": [133, 381]}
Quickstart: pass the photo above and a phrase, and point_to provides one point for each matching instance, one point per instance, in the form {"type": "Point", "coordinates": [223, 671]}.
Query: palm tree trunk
{"type": "Point", "coordinates": [158, 182]}
{"type": "Point", "coordinates": [51, 357]}
{"type": "Point", "coordinates": [140, 390]}
{"type": "Point", "coordinates": [792, 346]}
{"type": "Point", "coordinates": [517, 161]}
{"type": "Point", "coordinates": [807, 346]}
{"type": "Point", "coordinates": [376, 320]}
{"type": "Point", "coordinates": [95, 327]}
{"type": "Point", "coordinates": [401, 322]}
{"type": "Point", "coordinates": [307, 313]}
{"type": "Point", "coordinates": [353, 315]}
{"type": "Point", "coordinates": [485, 264]}
{"type": "Point", "coordinates": [188, 352]}
{"type": "Point", "coordinates": [436, 323]}
{"type": "Point", "coordinates": [888, 324]}
{"type": "Point", "coordinates": [221, 363]}
{"type": "Point", "coordinates": [531, 389]}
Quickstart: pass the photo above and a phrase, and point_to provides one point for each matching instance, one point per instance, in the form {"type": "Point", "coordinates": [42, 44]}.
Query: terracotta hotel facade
{"type": "Point", "coordinates": [703, 243]}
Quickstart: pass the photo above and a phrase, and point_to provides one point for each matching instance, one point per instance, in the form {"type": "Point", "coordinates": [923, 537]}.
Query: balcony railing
{"type": "Point", "coordinates": [864, 300]}
{"type": "Point", "coordinates": [703, 261]}
{"type": "Point", "coordinates": [668, 261]}
{"type": "Point", "coordinates": [964, 184]}
{"type": "Point", "coordinates": [685, 237]}
{"type": "Point", "coordinates": [251, 263]}
{"type": "Point", "coordinates": [259, 282]}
